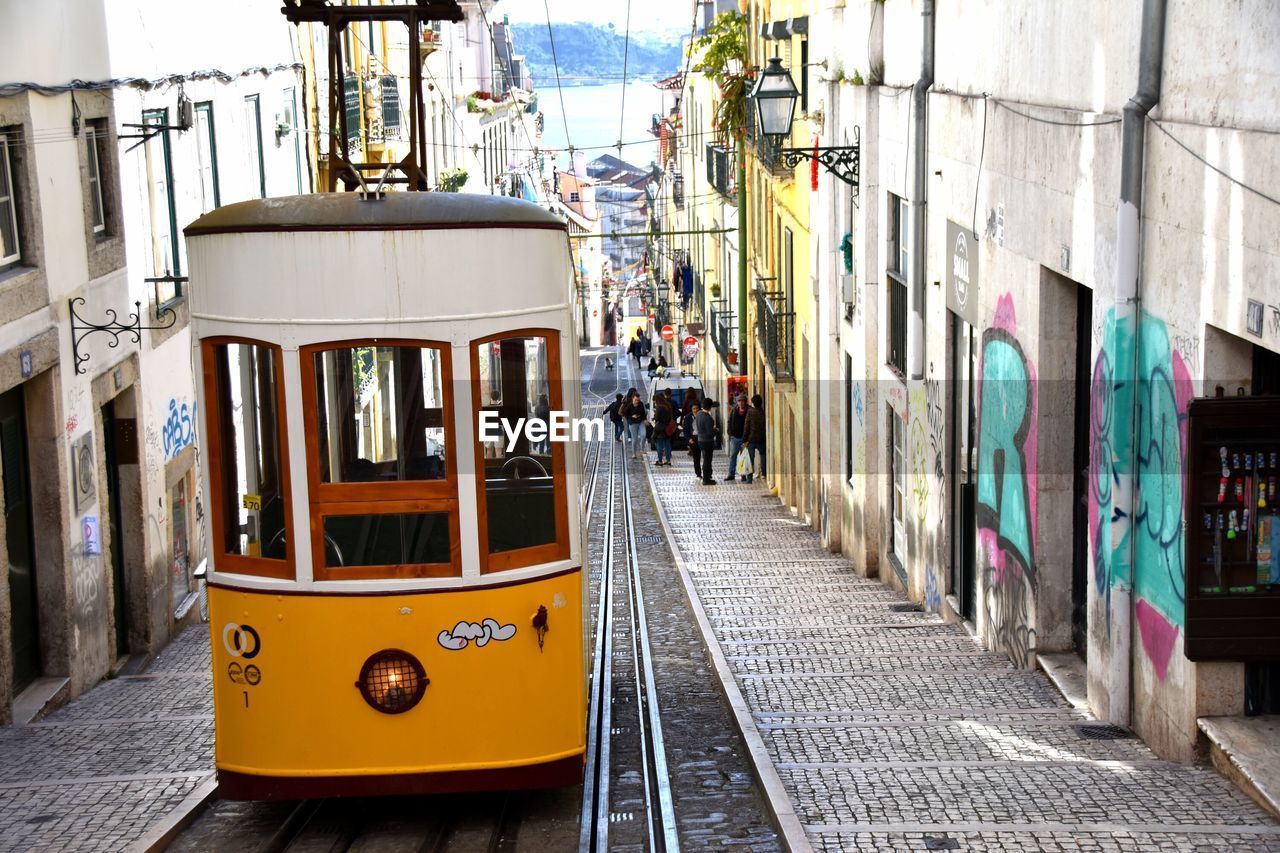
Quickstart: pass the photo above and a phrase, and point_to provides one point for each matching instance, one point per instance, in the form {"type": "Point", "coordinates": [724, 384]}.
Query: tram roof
{"type": "Point", "coordinates": [396, 211]}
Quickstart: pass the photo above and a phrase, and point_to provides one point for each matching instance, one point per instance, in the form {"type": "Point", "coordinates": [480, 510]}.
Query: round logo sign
{"type": "Point", "coordinates": [241, 641]}
{"type": "Point", "coordinates": [691, 341]}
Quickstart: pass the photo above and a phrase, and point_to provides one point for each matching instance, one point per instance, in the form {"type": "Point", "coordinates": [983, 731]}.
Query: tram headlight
{"type": "Point", "coordinates": [392, 681]}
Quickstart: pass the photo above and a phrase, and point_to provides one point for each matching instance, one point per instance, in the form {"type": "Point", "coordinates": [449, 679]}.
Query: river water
{"type": "Point", "coordinates": [595, 117]}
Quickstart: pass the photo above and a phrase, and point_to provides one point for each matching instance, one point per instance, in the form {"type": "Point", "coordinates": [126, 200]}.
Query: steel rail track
{"type": "Point", "coordinates": [659, 811]}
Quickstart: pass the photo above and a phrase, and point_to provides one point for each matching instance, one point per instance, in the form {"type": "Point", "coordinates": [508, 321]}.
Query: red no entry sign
{"type": "Point", "coordinates": [668, 333]}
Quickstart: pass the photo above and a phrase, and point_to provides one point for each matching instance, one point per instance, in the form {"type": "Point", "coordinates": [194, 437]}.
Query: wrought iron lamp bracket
{"type": "Point", "coordinates": [81, 328]}
{"type": "Point", "coordinates": [843, 161]}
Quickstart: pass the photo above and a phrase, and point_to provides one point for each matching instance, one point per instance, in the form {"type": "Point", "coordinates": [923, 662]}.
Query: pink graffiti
{"type": "Point", "coordinates": [1158, 636]}
{"type": "Point", "coordinates": [1006, 318]}
{"type": "Point", "coordinates": [72, 423]}
{"type": "Point", "coordinates": [988, 538]}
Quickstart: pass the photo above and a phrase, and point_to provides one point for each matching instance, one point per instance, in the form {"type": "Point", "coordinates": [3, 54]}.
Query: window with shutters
{"type": "Point", "coordinates": [207, 157]}
{"type": "Point", "coordinates": [351, 105]}
{"type": "Point", "coordinates": [166, 260]}
{"type": "Point", "coordinates": [390, 105]}
{"type": "Point", "coordinates": [95, 142]}
{"type": "Point", "coordinates": [253, 135]}
{"type": "Point", "coordinates": [10, 245]}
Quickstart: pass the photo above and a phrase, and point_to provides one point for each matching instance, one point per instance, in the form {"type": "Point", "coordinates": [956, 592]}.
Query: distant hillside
{"type": "Point", "coordinates": [592, 52]}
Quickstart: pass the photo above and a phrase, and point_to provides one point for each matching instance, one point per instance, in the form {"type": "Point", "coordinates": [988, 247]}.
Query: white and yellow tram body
{"type": "Point", "coordinates": [395, 606]}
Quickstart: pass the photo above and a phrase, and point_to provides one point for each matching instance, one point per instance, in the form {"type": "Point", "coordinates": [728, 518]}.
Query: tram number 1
{"type": "Point", "coordinates": [246, 697]}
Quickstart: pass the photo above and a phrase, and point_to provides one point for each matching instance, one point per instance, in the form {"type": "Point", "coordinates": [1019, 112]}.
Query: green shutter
{"type": "Point", "coordinates": [351, 101]}
{"type": "Point", "coordinates": [390, 105]}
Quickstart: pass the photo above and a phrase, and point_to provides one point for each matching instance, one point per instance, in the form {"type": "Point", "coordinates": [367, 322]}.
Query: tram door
{"type": "Point", "coordinates": [964, 470]}
{"type": "Point", "coordinates": [19, 540]}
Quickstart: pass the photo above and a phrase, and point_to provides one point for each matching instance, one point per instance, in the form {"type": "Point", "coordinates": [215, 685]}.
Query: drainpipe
{"type": "Point", "coordinates": [919, 191]}
{"type": "Point", "coordinates": [742, 253]}
{"type": "Point", "coordinates": [1128, 313]}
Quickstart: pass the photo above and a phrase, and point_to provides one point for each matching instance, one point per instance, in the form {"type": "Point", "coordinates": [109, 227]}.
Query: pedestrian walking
{"type": "Point", "coordinates": [637, 415]}
{"type": "Point", "coordinates": [704, 425]}
{"type": "Point", "coordinates": [653, 366]}
{"type": "Point", "coordinates": [664, 426]}
{"type": "Point", "coordinates": [613, 412]}
{"type": "Point", "coordinates": [692, 409]}
{"type": "Point", "coordinates": [753, 435]}
{"type": "Point", "coordinates": [636, 349]}
{"type": "Point", "coordinates": [737, 422]}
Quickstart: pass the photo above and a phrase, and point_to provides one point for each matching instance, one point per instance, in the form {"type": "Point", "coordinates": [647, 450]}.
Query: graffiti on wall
{"type": "Point", "coordinates": [1140, 546]}
{"type": "Point", "coordinates": [179, 430]}
{"type": "Point", "coordinates": [86, 571]}
{"type": "Point", "coordinates": [932, 597]}
{"type": "Point", "coordinates": [1007, 444]}
{"type": "Point", "coordinates": [1006, 481]}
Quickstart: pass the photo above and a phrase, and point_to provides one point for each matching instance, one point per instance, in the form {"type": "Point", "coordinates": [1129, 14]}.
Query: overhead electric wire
{"type": "Point", "coordinates": [626, 56]}
{"type": "Point", "coordinates": [564, 115]}
{"type": "Point", "coordinates": [1176, 141]}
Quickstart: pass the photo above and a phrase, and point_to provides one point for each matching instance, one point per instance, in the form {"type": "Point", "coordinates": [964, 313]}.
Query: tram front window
{"type": "Point", "coordinates": [514, 381]}
{"type": "Point", "coordinates": [380, 414]}
{"type": "Point", "coordinates": [247, 458]}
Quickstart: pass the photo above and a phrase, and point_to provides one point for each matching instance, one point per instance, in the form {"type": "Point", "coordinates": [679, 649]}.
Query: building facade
{"type": "Point", "coordinates": [1056, 245]}
{"type": "Point", "coordinates": [118, 140]}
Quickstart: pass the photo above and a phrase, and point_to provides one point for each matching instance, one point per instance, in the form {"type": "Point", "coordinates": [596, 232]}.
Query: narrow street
{"type": "Point", "coordinates": [891, 729]}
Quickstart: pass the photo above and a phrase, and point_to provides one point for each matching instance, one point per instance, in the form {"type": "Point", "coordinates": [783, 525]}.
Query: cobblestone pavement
{"type": "Point", "coordinates": [895, 730]}
{"type": "Point", "coordinates": [98, 773]}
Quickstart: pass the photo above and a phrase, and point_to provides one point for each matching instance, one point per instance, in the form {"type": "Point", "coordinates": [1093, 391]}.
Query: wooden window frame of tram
{"type": "Point", "coordinates": [242, 564]}
{"type": "Point", "coordinates": [395, 498]}
{"type": "Point", "coordinates": [537, 554]}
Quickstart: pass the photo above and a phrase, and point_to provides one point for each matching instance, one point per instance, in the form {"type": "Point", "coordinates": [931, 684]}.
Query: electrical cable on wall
{"type": "Point", "coordinates": [1176, 141]}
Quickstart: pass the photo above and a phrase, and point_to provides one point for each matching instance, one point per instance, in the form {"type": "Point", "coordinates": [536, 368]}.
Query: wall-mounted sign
{"type": "Point", "coordinates": [90, 535]}
{"type": "Point", "coordinates": [1253, 318]}
{"type": "Point", "coordinates": [962, 273]}
{"type": "Point", "coordinates": [26, 363]}
{"type": "Point", "coordinates": [84, 473]}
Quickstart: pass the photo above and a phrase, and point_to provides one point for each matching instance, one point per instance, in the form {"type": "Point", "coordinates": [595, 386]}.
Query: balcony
{"type": "Point", "coordinates": [722, 171]}
{"type": "Point", "coordinates": [724, 333]}
{"type": "Point", "coordinates": [768, 149]}
{"type": "Point", "coordinates": [775, 330]}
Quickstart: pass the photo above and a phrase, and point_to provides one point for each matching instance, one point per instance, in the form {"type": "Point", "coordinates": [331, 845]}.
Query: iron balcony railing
{"type": "Point", "coordinates": [775, 329]}
{"type": "Point", "coordinates": [768, 148]}
{"type": "Point", "coordinates": [721, 170]}
{"type": "Point", "coordinates": [724, 332]}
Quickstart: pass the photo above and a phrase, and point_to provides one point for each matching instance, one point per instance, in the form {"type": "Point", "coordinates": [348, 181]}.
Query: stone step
{"type": "Point", "coordinates": [1247, 751]}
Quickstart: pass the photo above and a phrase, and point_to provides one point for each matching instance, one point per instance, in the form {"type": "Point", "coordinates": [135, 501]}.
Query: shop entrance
{"type": "Point", "coordinates": [19, 540]}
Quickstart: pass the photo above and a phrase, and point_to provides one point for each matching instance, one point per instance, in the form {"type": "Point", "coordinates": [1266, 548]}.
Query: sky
{"type": "Point", "coordinates": [646, 15]}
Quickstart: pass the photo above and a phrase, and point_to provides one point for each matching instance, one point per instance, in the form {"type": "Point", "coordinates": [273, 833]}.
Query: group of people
{"type": "Point", "coordinates": [632, 422]}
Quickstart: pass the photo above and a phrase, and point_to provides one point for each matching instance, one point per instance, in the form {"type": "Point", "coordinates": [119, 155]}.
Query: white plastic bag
{"type": "Point", "coordinates": [744, 463]}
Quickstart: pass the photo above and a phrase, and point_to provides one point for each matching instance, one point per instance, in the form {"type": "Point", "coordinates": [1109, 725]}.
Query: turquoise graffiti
{"type": "Point", "coordinates": [1006, 455]}
{"type": "Point", "coordinates": [1152, 450]}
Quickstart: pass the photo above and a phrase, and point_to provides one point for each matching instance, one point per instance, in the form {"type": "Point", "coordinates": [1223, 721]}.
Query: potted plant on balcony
{"type": "Point", "coordinates": [715, 290]}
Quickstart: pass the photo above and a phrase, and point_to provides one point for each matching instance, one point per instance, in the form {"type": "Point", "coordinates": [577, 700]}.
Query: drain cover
{"type": "Point", "coordinates": [648, 540]}
{"type": "Point", "coordinates": [941, 842]}
{"type": "Point", "coordinates": [907, 608]}
{"type": "Point", "coordinates": [1103, 731]}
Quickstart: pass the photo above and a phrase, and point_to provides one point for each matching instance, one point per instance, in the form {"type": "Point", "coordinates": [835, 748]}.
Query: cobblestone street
{"type": "Point", "coordinates": [100, 772]}
{"type": "Point", "coordinates": [893, 730]}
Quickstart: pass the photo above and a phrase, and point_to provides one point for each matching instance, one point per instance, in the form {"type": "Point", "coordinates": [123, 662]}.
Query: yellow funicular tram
{"type": "Point", "coordinates": [396, 606]}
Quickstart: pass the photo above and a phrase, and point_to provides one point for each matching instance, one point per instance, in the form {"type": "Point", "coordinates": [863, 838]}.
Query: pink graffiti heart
{"type": "Point", "coordinates": [1158, 636]}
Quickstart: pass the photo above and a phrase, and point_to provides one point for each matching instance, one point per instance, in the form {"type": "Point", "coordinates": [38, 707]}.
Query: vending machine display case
{"type": "Point", "coordinates": [1233, 529]}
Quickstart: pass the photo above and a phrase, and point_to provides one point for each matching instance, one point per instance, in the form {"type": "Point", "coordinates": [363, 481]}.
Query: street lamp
{"type": "Point", "coordinates": [775, 97]}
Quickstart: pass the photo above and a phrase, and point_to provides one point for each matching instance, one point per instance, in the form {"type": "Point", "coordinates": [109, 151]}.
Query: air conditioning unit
{"type": "Point", "coordinates": [846, 288]}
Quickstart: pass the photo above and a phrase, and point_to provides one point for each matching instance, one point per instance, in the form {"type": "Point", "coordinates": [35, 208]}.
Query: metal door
{"type": "Point", "coordinates": [23, 603]}
{"type": "Point", "coordinates": [963, 415]}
